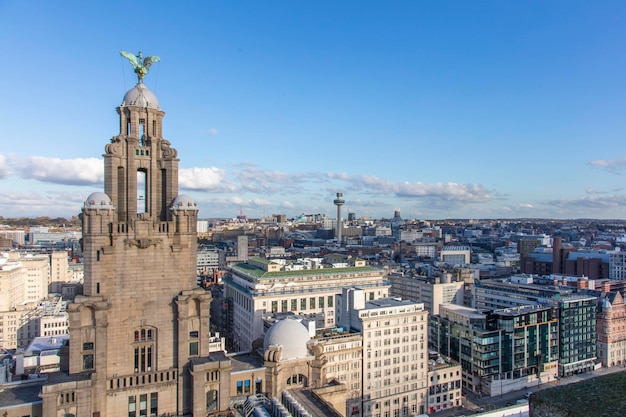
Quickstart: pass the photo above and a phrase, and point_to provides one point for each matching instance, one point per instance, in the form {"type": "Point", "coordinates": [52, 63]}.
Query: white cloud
{"type": "Point", "coordinates": [53, 203]}
{"type": "Point", "coordinates": [213, 131]}
{"type": "Point", "coordinates": [450, 191]}
{"type": "Point", "coordinates": [257, 180]}
{"type": "Point", "coordinates": [592, 191]}
{"type": "Point", "coordinates": [209, 179]}
{"type": "Point", "coordinates": [5, 171]}
{"type": "Point", "coordinates": [78, 171]}
{"type": "Point", "coordinates": [612, 165]}
{"type": "Point", "coordinates": [591, 203]}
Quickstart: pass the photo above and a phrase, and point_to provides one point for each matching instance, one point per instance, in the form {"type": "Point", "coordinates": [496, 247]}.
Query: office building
{"type": "Point", "coordinates": [444, 384]}
{"type": "Point", "coordinates": [499, 351]}
{"type": "Point", "coordinates": [617, 265]}
{"type": "Point", "coordinates": [518, 290]}
{"type": "Point", "coordinates": [611, 330]}
{"type": "Point", "coordinates": [455, 255]}
{"type": "Point", "coordinates": [395, 351]}
{"type": "Point", "coordinates": [260, 287]}
{"type": "Point", "coordinates": [431, 291]}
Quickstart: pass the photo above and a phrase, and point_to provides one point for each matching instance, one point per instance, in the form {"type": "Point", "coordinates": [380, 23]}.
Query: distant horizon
{"type": "Point", "coordinates": [488, 110]}
{"type": "Point", "coordinates": [466, 219]}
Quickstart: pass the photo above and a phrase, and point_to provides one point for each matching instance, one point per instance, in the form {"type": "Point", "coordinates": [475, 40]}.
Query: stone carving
{"type": "Point", "coordinates": [168, 152]}
{"type": "Point", "coordinates": [143, 243]}
{"type": "Point", "coordinates": [273, 353]}
{"type": "Point", "coordinates": [115, 147]}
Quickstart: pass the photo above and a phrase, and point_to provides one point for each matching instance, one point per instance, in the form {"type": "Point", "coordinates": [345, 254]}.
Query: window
{"type": "Point", "coordinates": [132, 406]}
{"type": "Point", "coordinates": [330, 301]}
{"type": "Point", "coordinates": [143, 405]}
{"type": "Point", "coordinates": [312, 302]}
{"type": "Point", "coordinates": [143, 349]}
{"type": "Point", "coordinates": [143, 335]}
{"type": "Point", "coordinates": [294, 304]}
{"type": "Point", "coordinates": [193, 345]}
{"type": "Point", "coordinates": [88, 361]}
{"type": "Point", "coordinates": [88, 346]}
{"type": "Point", "coordinates": [211, 400]}
{"type": "Point", "coordinates": [239, 387]}
{"type": "Point", "coordinates": [274, 306]}
{"type": "Point", "coordinates": [321, 300]}
{"type": "Point", "coordinates": [303, 304]}
{"type": "Point", "coordinates": [154, 403]}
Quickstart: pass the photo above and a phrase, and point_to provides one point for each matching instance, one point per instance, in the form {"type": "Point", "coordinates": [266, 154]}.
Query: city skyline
{"type": "Point", "coordinates": [442, 110]}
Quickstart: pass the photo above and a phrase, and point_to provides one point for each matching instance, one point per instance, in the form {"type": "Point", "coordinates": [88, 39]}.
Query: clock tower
{"type": "Point", "coordinates": [141, 321]}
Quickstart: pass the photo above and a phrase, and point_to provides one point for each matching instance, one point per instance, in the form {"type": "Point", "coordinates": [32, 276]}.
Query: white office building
{"type": "Point", "coordinates": [259, 288]}
{"type": "Point", "coordinates": [395, 351]}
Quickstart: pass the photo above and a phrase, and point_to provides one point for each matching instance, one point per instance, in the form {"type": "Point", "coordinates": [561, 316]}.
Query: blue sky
{"type": "Point", "coordinates": [482, 109]}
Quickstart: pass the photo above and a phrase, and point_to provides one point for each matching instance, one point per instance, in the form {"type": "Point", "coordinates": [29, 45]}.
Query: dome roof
{"type": "Point", "coordinates": [98, 200]}
{"type": "Point", "coordinates": [184, 202]}
{"type": "Point", "coordinates": [140, 96]}
{"type": "Point", "coordinates": [291, 335]}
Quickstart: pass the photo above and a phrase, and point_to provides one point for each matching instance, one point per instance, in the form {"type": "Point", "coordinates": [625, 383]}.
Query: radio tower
{"type": "Point", "coordinates": [339, 201]}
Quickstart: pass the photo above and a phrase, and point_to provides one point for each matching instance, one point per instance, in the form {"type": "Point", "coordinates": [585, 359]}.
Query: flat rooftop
{"type": "Point", "coordinates": [246, 361]}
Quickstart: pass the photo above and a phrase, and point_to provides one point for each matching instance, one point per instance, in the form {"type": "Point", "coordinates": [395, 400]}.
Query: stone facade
{"type": "Point", "coordinates": [142, 321]}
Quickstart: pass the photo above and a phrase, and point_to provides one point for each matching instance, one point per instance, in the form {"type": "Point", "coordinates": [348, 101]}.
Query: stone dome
{"type": "Point", "coordinates": [140, 96]}
{"type": "Point", "coordinates": [98, 200]}
{"type": "Point", "coordinates": [184, 202]}
{"type": "Point", "coordinates": [291, 335]}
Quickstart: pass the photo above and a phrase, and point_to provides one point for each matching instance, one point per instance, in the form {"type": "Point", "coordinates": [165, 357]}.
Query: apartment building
{"type": "Point", "coordinates": [577, 334]}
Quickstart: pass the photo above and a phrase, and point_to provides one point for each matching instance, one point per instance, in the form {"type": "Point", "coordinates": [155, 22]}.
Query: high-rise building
{"type": "Point", "coordinates": [142, 319]}
{"type": "Point", "coordinates": [577, 334]}
{"type": "Point", "coordinates": [395, 351]}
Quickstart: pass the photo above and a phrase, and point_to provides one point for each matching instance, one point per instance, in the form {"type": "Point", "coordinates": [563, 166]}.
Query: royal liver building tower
{"type": "Point", "coordinates": [141, 329]}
